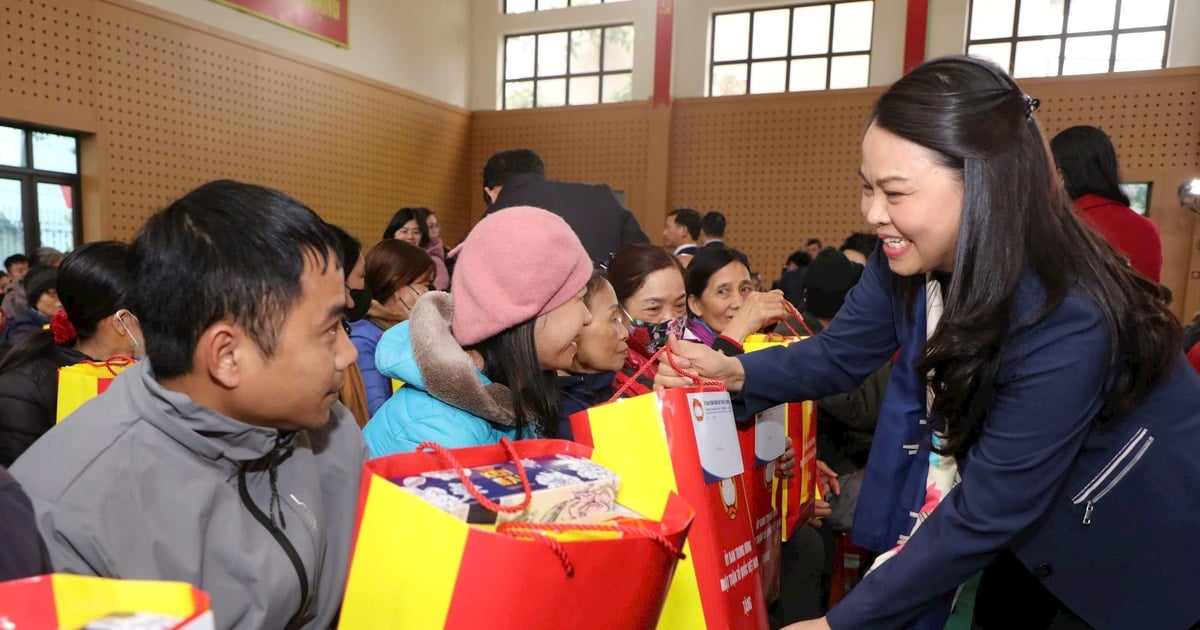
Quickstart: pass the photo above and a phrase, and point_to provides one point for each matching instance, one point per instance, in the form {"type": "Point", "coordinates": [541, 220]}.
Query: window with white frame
{"type": "Point", "coordinates": [528, 6]}
{"type": "Point", "coordinates": [39, 189]}
{"type": "Point", "coordinates": [791, 48]}
{"type": "Point", "coordinates": [577, 67]}
{"type": "Point", "coordinates": [1045, 38]}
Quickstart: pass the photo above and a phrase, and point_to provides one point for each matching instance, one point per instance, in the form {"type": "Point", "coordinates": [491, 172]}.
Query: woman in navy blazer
{"type": "Point", "coordinates": [1056, 379]}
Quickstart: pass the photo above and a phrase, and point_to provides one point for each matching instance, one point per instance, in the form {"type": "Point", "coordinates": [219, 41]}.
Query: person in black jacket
{"type": "Point", "coordinates": [23, 553]}
{"type": "Point", "coordinates": [94, 323]}
{"type": "Point", "coordinates": [518, 178]}
{"type": "Point", "coordinates": [43, 303]}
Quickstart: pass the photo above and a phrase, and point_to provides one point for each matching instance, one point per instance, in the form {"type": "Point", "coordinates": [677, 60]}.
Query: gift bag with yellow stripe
{"type": "Point", "coordinates": [415, 566]}
{"type": "Point", "coordinates": [84, 381]}
{"type": "Point", "coordinates": [73, 601]}
{"type": "Point", "coordinates": [688, 437]}
{"type": "Point", "coordinates": [794, 497]}
{"type": "Point", "coordinates": [763, 440]}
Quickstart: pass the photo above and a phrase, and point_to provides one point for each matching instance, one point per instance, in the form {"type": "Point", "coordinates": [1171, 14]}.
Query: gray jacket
{"type": "Point", "coordinates": [144, 483]}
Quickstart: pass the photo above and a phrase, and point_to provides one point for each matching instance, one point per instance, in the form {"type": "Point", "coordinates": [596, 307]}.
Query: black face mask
{"type": "Point", "coordinates": [362, 304]}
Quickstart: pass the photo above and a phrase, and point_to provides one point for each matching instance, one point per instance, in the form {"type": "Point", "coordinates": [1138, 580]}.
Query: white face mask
{"type": "Point", "coordinates": [138, 352]}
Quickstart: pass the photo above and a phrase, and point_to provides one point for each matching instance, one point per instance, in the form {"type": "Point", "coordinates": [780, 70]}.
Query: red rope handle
{"type": "Point", "coordinates": [794, 312]}
{"type": "Point", "coordinates": [466, 480]}
{"type": "Point", "coordinates": [119, 360]}
{"type": "Point", "coordinates": [518, 529]}
{"type": "Point", "coordinates": [699, 382]}
{"type": "Point", "coordinates": [640, 371]}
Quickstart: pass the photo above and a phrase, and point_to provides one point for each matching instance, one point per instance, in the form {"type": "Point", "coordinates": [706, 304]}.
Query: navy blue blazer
{"type": "Point", "coordinates": [1107, 516]}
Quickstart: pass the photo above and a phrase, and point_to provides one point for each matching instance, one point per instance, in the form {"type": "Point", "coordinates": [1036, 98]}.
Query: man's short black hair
{"type": "Point", "coordinates": [689, 219]}
{"type": "Point", "coordinates": [15, 259]}
{"type": "Point", "coordinates": [502, 166]}
{"type": "Point", "coordinates": [225, 250]}
{"type": "Point", "coordinates": [713, 224]}
{"type": "Point", "coordinates": [861, 242]}
{"type": "Point", "coordinates": [799, 258]}
{"type": "Point", "coordinates": [814, 241]}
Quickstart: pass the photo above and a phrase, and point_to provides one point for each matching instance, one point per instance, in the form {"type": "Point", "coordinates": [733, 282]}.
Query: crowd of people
{"type": "Point", "coordinates": [1001, 383]}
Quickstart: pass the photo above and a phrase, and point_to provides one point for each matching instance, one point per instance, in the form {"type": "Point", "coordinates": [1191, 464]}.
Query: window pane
{"type": "Point", "coordinates": [810, 30]}
{"type": "Point", "coordinates": [1093, 15]}
{"type": "Point", "coordinates": [551, 92]}
{"type": "Point", "coordinates": [618, 48]}
{"type": "Point", "coordinates": [12, 146]}
{"type": "Point", "coordinates": [731, 36]}
{"type": "Point", "coordinates": [1140, 13]}
{"type": "Point", "coordinates": [807, 74]}
{"type": "Point", "coordinates": [729, 79]}
{"type": "Point", "coordinates": [584, 91]}
{"type": "Point", "coordinates": [770, 35]}
{"type": "Point", "coordinates": [768, 76]}
{"type": "Point", "coordinates": [519, 6]}
{"type": "Point", "coordinates": [55, 219]}
{"type": "Point", "coordinates": [585, 50]}
{"type": "Point", "coordinates": [849, 72]}
{"type": "Point", "coordinates": [518, 57]}
{"type": "Point", "coordinates": [1140, 51]}
{"type": "Point", "coordinates": [992, 18]}
{"type": "Point", "coordinates": [618, 87]}
{"type": "Point", "coordinates": [1040, 17]}
{"type": "Point", "coordinates": [580, 3]}
{"type": "Point", "coordinates": [518, 94]}
{"type": "Point", "coordinates": [997, 53]}
{"type": "Point", "coordinates": [552, 54]}
{"type": "Point", "coordinates": [1087, 55]}
{"type": "Point", "coordinates": [544, 5]}
{"type": "Point", "coordinates": [52, 152]}
{"type": "Point", "coordinates": [1037, 58]}
{"type": "Point", "coordinates": [12, 227]}
{"type": "Point", "coordinates": [852, 26]}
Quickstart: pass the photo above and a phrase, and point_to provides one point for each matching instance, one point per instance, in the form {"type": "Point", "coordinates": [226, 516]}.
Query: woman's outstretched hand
{"type": "Point", "coordinates": [700, 360]}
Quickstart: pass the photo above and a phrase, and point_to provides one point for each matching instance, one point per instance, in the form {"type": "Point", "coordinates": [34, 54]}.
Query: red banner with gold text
{"type": "Point", "coordinates": [324, 19]}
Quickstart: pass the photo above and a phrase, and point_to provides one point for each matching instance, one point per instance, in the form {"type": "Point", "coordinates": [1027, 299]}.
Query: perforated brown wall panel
{"type": "Point", "coordinates": [168, 104]}
{"type": "Point", "coordinates": [781, 168]}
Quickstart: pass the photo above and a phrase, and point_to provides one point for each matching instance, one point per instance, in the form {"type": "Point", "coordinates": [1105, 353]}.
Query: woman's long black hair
{"type": "Point", "coordinates": [976, 121]}
{"type": "Point", "coordinates": [94, 281]}
{"type": "Point", "coordinates": [510, 358]}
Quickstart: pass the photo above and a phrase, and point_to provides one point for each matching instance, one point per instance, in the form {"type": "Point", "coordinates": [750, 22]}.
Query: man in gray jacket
{"type": "Point", "coordinates": [224, 459]}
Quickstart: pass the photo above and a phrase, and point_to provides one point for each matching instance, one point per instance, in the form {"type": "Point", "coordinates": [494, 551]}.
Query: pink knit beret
{"type": "Point", "coordinates": [515, 265]}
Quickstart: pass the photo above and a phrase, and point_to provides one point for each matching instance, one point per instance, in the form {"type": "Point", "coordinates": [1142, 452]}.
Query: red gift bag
{"type": "Point", "coordinates": [415, 566]}
{"type": "Point", "coordinates": [687, 437]}
{"type": "Point", "coordinates": [762, 441]}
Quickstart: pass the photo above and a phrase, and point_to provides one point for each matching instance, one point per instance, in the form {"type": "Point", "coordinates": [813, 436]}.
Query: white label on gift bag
{"type": "Point", "coordinates": [770, 434]}
{"type": "Point", "coordinates": [716, 435]}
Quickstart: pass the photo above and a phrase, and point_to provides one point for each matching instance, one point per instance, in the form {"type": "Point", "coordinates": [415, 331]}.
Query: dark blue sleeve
{"type": "Point", "coordinates": [377, 386]}
{"type": "Point", "coordinates": [860, 339]}
{"type": "Point", "coordinates": [1049, 390]}
{"type": "Point", "coordinates": [23, 553]}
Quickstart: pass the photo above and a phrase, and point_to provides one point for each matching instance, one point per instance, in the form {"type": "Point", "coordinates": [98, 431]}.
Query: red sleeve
{"type": "Point", "coordinates": [1193, 357]}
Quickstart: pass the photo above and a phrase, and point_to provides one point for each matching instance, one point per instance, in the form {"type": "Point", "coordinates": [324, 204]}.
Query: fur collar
{"type": "Point", "coordinates": [449, 373]}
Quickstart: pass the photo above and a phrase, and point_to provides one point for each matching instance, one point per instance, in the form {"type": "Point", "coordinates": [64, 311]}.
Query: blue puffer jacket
{"type": "Point", "coordinates": [445, 398]}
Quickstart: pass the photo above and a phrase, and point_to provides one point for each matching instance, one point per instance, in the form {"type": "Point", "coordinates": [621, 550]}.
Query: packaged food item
{"type": "Point", "coordinates": [565, 488]}
{"type": "Point", "coordinates": [133, 621]}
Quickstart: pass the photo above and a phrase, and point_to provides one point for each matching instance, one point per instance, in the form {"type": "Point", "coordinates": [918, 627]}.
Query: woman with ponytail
{"type": "Point", "coordinates": [1040, 424]}
{"type": "Point", "coordinates": [94, 324]}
